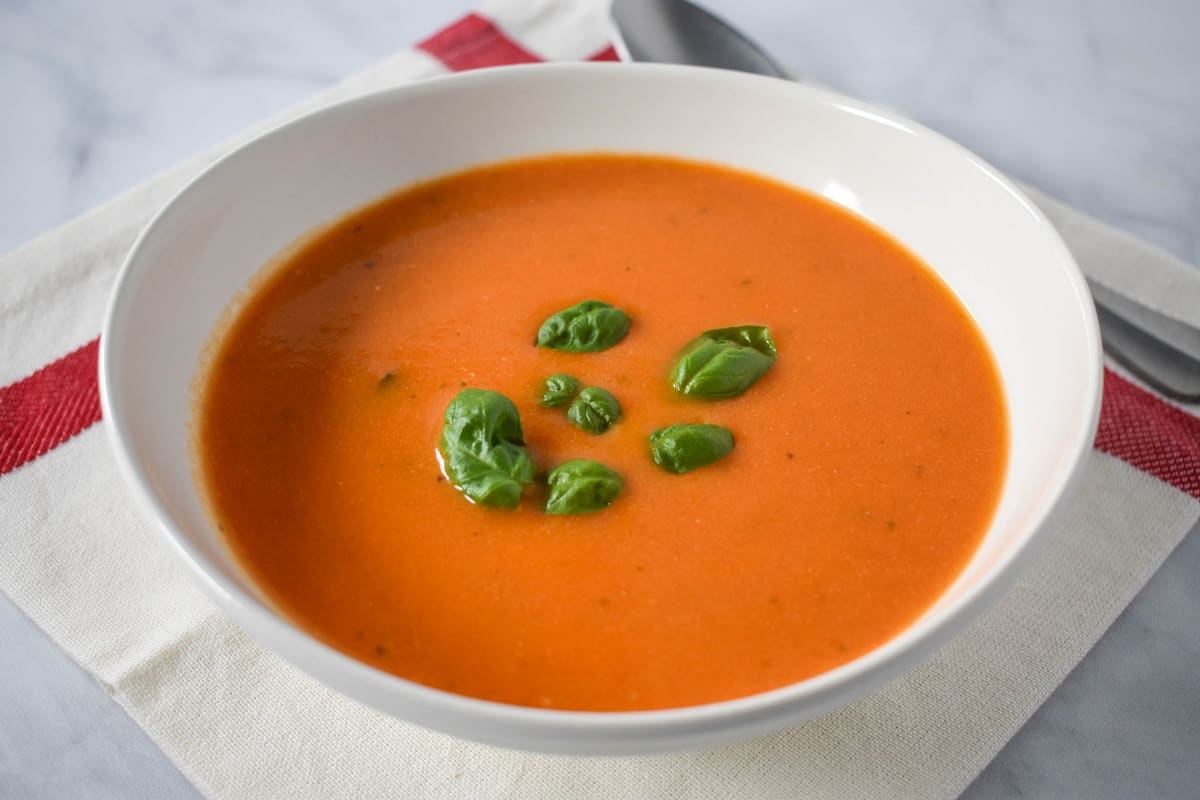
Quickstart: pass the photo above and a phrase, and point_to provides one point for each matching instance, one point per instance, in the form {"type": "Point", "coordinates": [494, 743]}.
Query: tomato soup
{"type": "Point", "coordinates": [867, 465]}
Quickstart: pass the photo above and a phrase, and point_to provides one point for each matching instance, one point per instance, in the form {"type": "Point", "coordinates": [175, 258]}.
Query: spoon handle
{"type": "Point", "coordinates": [1171, 371]}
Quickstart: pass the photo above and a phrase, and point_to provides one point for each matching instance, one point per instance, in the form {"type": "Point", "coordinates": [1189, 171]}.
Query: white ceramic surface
{"type": "Point", "coordinates": [991, 246]}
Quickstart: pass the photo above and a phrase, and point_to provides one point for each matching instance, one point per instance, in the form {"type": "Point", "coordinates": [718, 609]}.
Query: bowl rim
{"type": "Point", "coordinates": [594, 732]}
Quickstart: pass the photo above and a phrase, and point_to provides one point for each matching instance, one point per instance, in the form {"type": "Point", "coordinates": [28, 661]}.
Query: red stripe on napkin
{"type": "Point", "coordinates": [42, 411]}
{"type": "Point", "coordinates": [475, 42]}
{"type": "Point", "coordinates": [1150, 434]}
{"type": "Point", "coordinates": [607, 54]}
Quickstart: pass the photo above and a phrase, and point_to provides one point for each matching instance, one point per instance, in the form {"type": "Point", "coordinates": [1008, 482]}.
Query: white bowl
{"type": "Point", "coordinates": [989, 243]}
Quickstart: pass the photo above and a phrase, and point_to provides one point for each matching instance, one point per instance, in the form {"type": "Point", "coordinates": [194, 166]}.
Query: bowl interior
{"type": "Point", "coordinates": [990, 245]}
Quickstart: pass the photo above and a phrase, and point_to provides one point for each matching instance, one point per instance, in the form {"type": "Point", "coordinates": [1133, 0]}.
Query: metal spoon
{"type": "Point", "coordinates": [1162, 351]}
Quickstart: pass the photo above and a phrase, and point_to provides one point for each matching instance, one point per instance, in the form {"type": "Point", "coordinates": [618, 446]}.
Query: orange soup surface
{"type": "Point", "coordinates": [867, 465]}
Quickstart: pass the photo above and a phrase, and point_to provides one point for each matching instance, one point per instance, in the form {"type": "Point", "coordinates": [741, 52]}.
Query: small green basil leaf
{"type": "Point", "coordinates": [723, 362]}
{"type": "Point", "coordinates": [586, 327]}
{"type": "Point", "coordinates": [582, 486]}
{"type": "Point", "coordinates": [559, 390]}
{"type": "Point", "coordinates": [680, 448]}
{"type": "Point", "coordinates": [483, 448]}
{"type": "Point", "coordinates": [594, 410]}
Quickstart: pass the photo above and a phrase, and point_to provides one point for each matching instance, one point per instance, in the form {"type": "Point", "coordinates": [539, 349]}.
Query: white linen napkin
{"type": "Point", "coordinates": [241, 723]}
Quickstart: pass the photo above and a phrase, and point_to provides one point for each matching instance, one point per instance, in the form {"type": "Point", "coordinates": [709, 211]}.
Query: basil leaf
{"type": "Point", "coordinates": [723, 362]}
{"type": "Point", "coordinates": [594, 410]}
{"type": "Point", "coordinates": [586, 327]}
{"type": "Point", "coordinates": [680, 448]}
{"type": "Point", "coordinates": [483, 448]}
{"type": "Point", "coordinates": [582, 486]}
{"type": "Point", "coordinates": [559, 390]}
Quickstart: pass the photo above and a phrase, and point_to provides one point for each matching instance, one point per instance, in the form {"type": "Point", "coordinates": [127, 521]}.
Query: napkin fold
{"type": "Point", "coordinates": [241, 723]}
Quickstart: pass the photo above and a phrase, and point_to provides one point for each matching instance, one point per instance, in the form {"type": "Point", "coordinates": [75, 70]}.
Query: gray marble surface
{"type": "Point", "coordinates": [1096, 102]}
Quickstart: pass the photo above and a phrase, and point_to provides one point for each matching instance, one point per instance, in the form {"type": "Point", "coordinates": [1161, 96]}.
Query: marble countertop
{"type": "Point", "coordinates": [1095, 102]}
